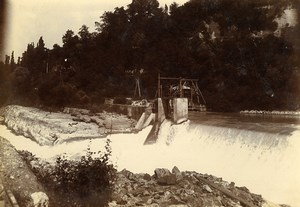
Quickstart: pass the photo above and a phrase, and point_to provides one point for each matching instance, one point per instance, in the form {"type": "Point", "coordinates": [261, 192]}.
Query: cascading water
{"type": "Point", "coordinates": [265, 160]}
{"type": "Point", "coordinates": [267, 163]}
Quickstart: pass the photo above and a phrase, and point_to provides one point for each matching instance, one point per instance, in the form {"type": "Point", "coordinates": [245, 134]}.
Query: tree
{"type": "Point", "coordinates": [68, 37]}
{"type": "Point", "coordinates": [7, 59]}
{"type": "Point", "coordinates": [12, 61]}
{"type": "Point", "coordinates": [5, 89]}
{"type": "Point", "coordinates": [229, 45]}
{"type": "Point", "coordinates": [28, 56]}
{"type": "Point", "coordinates": [19, 61]}
{"type": "Point", "coordinates": [84, 34]}
{"type": "Point", "coordinates": [41, 44]}
{"type": "Point", "coordinates": [143, 9]}
{"type": "Point", "coordinates": [20, 86]}
{"type": "Point", "coordinates": [41, 56]}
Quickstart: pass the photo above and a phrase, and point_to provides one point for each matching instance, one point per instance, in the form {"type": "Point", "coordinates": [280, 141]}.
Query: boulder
{"type": "Point", "coordinates": [40, 199]}
{"type": "Point", "coordinates": [175, 170]}
{"type": "Point", "coordinates": [177, 173]}
{"type": "Point", "coordinates": [161, 172]}
{"type": "Point", "coordinates": [129, 175]}
{"type": "Point", "coordinates": [207, 188]}
{"type": "Point", "coordinates": [147, 177]}
{"type": "Point", "coordinates": [167, 180]}
{"type": "Point", "coordinates": [97, 120]}
{"type": "Point", "coordinates": [85, 118]}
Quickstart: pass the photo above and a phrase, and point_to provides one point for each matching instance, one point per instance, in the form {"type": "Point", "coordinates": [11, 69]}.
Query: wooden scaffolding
{"type": "Point", "coordinates": [169, 88]}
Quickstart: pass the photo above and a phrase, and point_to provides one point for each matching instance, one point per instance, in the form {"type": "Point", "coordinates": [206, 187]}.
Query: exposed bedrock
{"type": "Point", "coordinates": [48, 128]}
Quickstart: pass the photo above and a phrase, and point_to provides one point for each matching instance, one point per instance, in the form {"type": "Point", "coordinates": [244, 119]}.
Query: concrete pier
{"type": "Point", "coordinates": [180, 114]}
{"type": "Point", "coordinates": [161, 116]}
{"type": "Point", "coordinates": [180, 110]}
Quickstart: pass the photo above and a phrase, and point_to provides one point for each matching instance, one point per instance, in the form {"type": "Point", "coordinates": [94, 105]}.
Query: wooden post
{"type": "Point", "coordinates": [200, 93]}
{"type": "Point", "coordinates": [192, 102]}
{"type": "Point", "coordinates": [137, 87]}
{"type": "Point", "coordinates": [158, 86]}
{"type": "Point", "coordinates": [180, 88]}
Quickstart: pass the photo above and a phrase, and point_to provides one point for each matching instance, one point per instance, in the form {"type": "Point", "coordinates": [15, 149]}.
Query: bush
{"type": "Point", "coordinates": [81, 97]}
{"type": "Point", "coordinates": [87, 182]}
{"type": "Point", "coordinates": [120, 100]}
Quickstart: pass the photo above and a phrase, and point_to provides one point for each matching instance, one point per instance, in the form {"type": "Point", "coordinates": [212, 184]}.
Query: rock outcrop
{"type": "Point", "coordinates": [48, 128]}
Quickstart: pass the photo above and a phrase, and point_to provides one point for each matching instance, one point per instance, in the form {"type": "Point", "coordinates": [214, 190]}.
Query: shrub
{"type": "Point", "coordinates": [81, 97]}
{"type": "Point", "coordinates": [97, 97]}
{"type": "Point", "coordinates": [120, 100]}
{"type": "Point", "coordinates": [87, 182]}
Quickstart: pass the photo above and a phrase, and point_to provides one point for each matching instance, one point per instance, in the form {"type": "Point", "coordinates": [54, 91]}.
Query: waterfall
{"type": "Point", "coordinates": [265, 162]}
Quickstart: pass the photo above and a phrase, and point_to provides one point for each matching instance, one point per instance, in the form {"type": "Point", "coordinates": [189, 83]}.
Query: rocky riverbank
{"type": "Point", "coordinates": [176, 188]}
{"type": "Point", "coordinates": [170, 188]}
{"type": "Point", "coordinates": [48, 128]}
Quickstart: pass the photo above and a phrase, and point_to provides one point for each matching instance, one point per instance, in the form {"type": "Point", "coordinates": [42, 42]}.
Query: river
{"type": "Point", "coordinates": [259, 152]}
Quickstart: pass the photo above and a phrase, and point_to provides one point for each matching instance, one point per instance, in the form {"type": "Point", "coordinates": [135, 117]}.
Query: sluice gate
{"type": "Point", "coordinates": [174, 99]}
{"type": "Point", "coordinates": [179, 115]}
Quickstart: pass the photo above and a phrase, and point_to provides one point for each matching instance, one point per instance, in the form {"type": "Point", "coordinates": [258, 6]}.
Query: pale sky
{"type": "Point", "coordinates": [28, 20]}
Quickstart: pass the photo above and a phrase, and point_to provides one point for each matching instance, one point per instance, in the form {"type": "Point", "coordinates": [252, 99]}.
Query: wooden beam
{"type": "Point", "coordinates": [183, 79]}
{"type": "Point", "coordinates": [158, 86]}
{"type": "Point", "coordinates": [166, 78]}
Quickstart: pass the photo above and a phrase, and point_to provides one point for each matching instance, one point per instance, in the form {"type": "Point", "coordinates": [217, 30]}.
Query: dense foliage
{"type": "Point", "coordinates": [242, 57]}
{"type": "Point", "coordinates": [88, 182]}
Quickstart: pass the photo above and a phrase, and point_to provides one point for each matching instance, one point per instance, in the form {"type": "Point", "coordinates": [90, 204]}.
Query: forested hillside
{"type": "Point", "coordinates": [242, 57]}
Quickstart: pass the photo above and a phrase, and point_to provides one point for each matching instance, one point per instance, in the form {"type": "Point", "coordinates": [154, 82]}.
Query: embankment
{"type": "Point", "coordinates": [18, 178]}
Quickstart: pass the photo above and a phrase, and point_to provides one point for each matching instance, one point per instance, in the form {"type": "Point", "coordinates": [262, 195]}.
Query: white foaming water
{"type": "Point", "coordinates": [266, 163]}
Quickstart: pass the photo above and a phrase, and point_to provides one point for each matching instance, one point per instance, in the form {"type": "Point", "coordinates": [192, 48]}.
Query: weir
{"type": "Point", "coordinates": [179, 112]}
{"type": "Point", "coordinates": [266, 160]}
{"type": "Point", "coordinates": [263, 161]}
{"type": "Point", "coordinates": [174, 106]}
{"type": "Point", "coordinates": [259, 153]}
